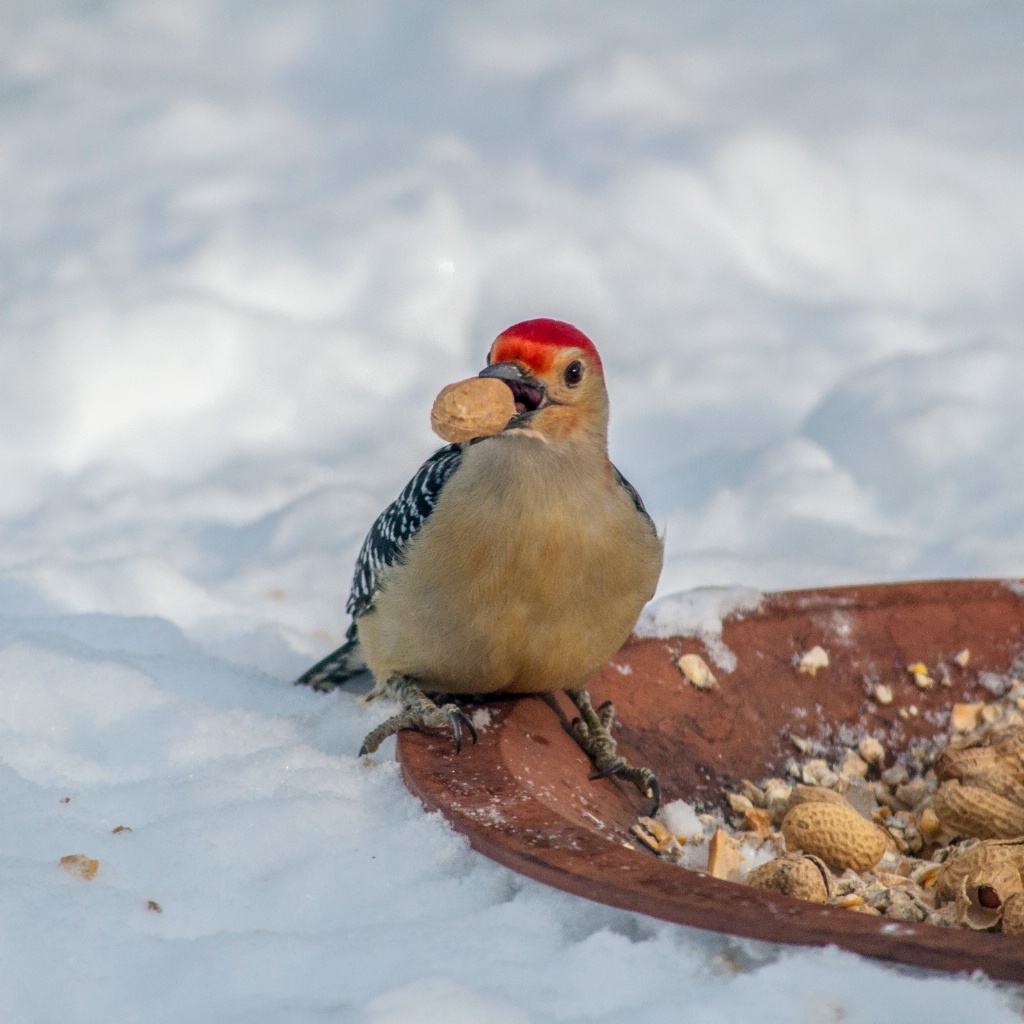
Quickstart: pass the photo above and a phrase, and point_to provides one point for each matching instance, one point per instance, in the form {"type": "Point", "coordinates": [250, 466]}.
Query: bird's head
{"type": "Point", "coordinates": [556, 378]}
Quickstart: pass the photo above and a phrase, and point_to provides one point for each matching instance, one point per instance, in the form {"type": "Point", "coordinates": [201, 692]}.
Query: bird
{"type": "Point", "coordinates": [516, 563]}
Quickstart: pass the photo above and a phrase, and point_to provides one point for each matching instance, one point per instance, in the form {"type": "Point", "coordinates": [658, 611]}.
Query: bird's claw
{"type": "Point", "coordinates": [426, 715]}
{"type": "Point", "coordinates": [643, 778]}
{"type": "Point", "coordinates": [651, 787]}
{"type": "Point", "coordinates": [458, 718]}
{"type": "Point", "coordinates": [593, 733]}
{"type": "Point", "coordinates": [606, 714]}
{"type": "Point", "coordinates": [614, 768]}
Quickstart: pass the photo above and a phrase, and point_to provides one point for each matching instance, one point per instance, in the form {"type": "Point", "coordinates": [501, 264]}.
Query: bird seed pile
{"type": "Point", "coordinates": [935, 835]}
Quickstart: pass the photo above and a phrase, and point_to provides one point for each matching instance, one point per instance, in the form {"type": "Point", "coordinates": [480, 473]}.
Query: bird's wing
{"type": "Point", "coordinates": [398, 524]}
{"type": "Point", "coordinates": [634, 496]}
{"type": "Point", "coordinates": [338, 667]}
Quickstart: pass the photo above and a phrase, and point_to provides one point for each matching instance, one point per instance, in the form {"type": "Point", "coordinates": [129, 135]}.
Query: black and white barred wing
{"type": "Point", "coordinates": [634, 495]}
{"type": "Point", "coordinates": [398, 524]}
{"type": "Point", "coordinates": [384, 545]}
{"type": "Point", "coordinates": [338, 667]}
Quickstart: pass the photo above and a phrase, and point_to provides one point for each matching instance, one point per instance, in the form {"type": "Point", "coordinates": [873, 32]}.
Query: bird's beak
{"type": "Point", "coordinates": [504, 371]}
{"type": "Point", "coordinates": [528, 392]}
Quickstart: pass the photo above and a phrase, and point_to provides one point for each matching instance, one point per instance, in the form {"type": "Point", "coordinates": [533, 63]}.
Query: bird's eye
{"type": "Point", "coordinates": [573, 373]}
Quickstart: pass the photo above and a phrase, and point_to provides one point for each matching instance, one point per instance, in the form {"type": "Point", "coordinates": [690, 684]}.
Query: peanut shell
{"type": "Point", "coordinates": [999, 780]}
{"type": "Point", "coordinates": [724, 859]}
{"type": "Point", "coordinates": [794, 874]}
{"type": "Point", "coordinates": [987, 856]}
{"type": "Point", "coordinates": [1009, 741]}
{"type": "Point", "coordinates": [758, 821]}
{"type": "Point", "coordinates": [80, 865]}
{"type": "Point", "coordinates": [973, 811]}
{"type": "Point", "coordinates": [1010, 748]}
{"type": "Point", "coordinates": [982, 895]}
{"type": "Point", "coordinates": [959, 763]}
{"type": "Point", "coordinates": [477, 407]}
{"type": "Point", "coordinates": [836, 834]}
{"type": "Point", "coordinates": [776, 798]}
{"type": "Point", "coordinates": [1013, 915]}
{"type": "Point", "coordinates": [814, 795]}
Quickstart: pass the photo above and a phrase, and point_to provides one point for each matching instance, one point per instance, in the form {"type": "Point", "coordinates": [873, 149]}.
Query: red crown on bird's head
{"type": "Point", "coordinates": [536, 343]}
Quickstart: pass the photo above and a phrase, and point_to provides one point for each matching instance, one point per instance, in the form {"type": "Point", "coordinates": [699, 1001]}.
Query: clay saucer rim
{"type": "Point", "coordinates": [486, 794]}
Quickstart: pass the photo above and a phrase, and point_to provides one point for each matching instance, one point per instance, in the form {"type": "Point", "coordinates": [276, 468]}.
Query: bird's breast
{"type": "Point", "coordinates": [527, 577]}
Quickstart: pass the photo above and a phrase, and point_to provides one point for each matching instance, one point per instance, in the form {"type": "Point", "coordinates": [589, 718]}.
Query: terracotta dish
{"type": "Point", "coordinates": [522, 795]}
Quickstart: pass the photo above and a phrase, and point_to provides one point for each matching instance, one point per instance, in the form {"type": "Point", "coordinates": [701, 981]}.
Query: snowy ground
{"type": "Point", "coordinates": [242, 245]}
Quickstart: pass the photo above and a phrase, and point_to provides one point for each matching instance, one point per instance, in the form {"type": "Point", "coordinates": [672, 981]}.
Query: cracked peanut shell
{"type": "Point", "coordinates": [794, 874]}
{"type": "Point", "coordinates": [987, 856]}
{"type": "Point", "coordinates": [981, 901]}
{"type": "Point", "coordinates": [1013, 915]}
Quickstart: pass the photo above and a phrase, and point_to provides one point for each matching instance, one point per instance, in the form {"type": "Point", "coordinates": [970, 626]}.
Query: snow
{"type": "Point", "coordinates": [681, 819]}
{"type": "Point", "coordinates": [699, 613]}
{"type": "Point", "coordinates": [242, 248]}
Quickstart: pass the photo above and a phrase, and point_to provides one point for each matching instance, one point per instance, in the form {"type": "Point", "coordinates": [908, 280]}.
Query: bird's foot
{"type": "Point", "coordinates": [420, 713]}
{"type": "Point", "coordinates": [592, 731]}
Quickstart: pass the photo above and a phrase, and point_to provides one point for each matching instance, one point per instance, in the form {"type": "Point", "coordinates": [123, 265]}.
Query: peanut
{"type": "Point", "coordinates": [477, 407]}
{"type": "Point", "coordinates": [973, 811]}
{"type": "Point", "coordinates": [815, 795]}
{"type": "Point", "coordinates": [960, 762]}
{"type": "Point", "coordinates": [794, 874]}
{"type": "Point", "coordinates": [836, 834]}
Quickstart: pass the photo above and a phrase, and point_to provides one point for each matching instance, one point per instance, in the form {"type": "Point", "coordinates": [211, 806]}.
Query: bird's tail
{"type": "Point", "coordinates": [338, 667]}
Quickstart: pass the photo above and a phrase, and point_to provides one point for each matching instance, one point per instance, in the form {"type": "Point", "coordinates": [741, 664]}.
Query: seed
{"type": "Point", "coordinates": [696, 670]}
{"type": "Point", "coordinates": [812, 660]}
{"type": "Point", "coordinates": [871, 750]}
{"type": "Point", "coordinates": [989, 897]}
{"type": "Point", "coordinates": [964, 717]}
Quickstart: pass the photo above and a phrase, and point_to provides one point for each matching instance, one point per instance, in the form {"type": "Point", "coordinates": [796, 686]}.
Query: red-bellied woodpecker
{"type": "Point", "coordinates": [516, 563]}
